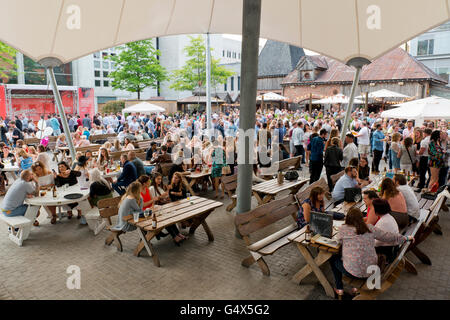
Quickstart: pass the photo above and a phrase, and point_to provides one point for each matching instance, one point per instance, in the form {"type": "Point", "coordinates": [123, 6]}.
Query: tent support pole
{"type": "Point", "coordinates": [350, 102]}
{"type": "Point", "coordinates": [251, 18]}
{"type": "Point", "coordinates": [61, 112]}
{"type": "Point", "coordinates": [208, 86]}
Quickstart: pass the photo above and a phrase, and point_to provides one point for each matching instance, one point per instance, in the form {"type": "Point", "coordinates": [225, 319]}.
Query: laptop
{"type": "Point", "coordinates": [322, 224]}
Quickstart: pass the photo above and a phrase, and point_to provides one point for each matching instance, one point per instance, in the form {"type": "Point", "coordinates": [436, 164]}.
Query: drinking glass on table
{"type": "Point", "coordinates": [136, 216]}
{"type": "Point", "coordinates": [146, 213]}
{"type": "Point", "coordinates": [188, 196]}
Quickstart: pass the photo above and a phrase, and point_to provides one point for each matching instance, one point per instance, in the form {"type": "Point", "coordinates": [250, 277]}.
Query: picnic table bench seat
{"type": "Point", "coordinates": [109, 208]}
{"type": "Point", "coordinates": [282, 165]}
{"type": "Point", "coordinates": [260, 218]}
{"type": "Point", "coordinates": [101, 138]}
{"type": "Point", "coordinates": [21, 223]}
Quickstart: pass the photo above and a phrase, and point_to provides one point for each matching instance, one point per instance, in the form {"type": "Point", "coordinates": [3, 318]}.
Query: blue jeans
{"type": "Point", "coordinates": [120, 189]}
{"type": "Point", "coordinates": [19, 211]}
{"type": "Point", "coordinates": [337, 266]}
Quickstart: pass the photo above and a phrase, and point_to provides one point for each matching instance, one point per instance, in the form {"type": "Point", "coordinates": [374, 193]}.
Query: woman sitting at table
{"type": "Point", "coordinates": [313, 203]}
{"type": "Point", "coordinates": [91, 161]}
{"type": "Point", "coordinates": [386, 223]}
{"type": "Point", "coordinates": [103, 159]}
{"type": "Point", "coordinates": [24, 160]}
{"type": "Point", "coordinates": [145, 192]}
{"type": "Point", "coordinates": [368, 197]}
{"type": "Point", "coordinates": [61, 141]}
{"type": "Point", "coordinates": [5, 157]}
{"type": "Point", "coordinates": [157, 190]}
{"type": "Point", "coordinates": [357, 241]}
{"type": "Point", "coordinates": [32, 153]}
{"type": "Point", "coordinates": [363, 169]}
{"type": "Point", "coordinates": [116, 147]}
{"type": "Point", "coordinates": [46, 181]}
{"type": "Point", "coordinates": [83, 168]}
{"type": "Point", "coordinates": [176, 188]}
{"type": "Point", "coordinates": [67, 176]}
{"type": "Point", "coordinates": [396, 200]}
{"type": "Point", "coordinates": [99, 188]}
{"type": "Point", "coordinates": [127, 145]}
{"type": "Point", "coordinates": [130, 203]}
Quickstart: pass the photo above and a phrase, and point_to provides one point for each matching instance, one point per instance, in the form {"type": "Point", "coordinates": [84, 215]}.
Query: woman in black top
{"type": "Point", "coordinates": [176, 188]}
{"type": "Point", "coordinates": [332, 160]}
{"type": "Point", "coordinates": [363, 169]}
{"type": "Point", "coordinates": [65, 175]}
{"type": "Point", "coordinates": [99, 188]}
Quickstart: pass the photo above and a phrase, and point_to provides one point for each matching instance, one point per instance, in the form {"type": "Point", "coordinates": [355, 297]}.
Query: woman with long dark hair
{"type": "Point", "coordinates": [314, 202]}
{"type": "Point", "coordinates": [436, 157]}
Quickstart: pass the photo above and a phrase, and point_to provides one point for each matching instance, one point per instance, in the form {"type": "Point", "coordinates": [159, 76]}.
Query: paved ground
{"type": "Point", "coordinates": [196, 270]}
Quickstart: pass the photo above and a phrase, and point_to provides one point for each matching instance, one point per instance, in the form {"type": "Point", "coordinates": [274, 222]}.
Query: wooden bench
{"type": "Point", "coordinates": [22, 223]}
{"type": "Point", "coordinates": [116, 155]}
{"type": "Point", "coordinates": [32, 141]}
{"type": "Point", "coordinates": [336, 177]}
{"type": "Point", "coordinates": [282, 165]}
{"type": "Point", "coordinates": [391, 273]}
{"type": "Point", "coordinates": [109, 208]}
{"type": "Point", "coordinates": [229, 184]}
{"type": "Point", "coordinates": [260, 218]}
{"type": "Point", "coordinates": [101, 138]}
{"type": "Point", "coordinates": [302, 195]}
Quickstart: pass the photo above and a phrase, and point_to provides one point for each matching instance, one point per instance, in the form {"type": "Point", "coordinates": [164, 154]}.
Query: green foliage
{"type": "Point", "coordinates": [193, 74]}
{"type": "Point", "coordinates": [113, 106]}
{"type": "Point", "coordinates": [137, 67]}
{"type": "Point", "coordinates": [7, 61]}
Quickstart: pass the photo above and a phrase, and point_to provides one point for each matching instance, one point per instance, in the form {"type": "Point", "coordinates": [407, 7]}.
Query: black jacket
{"type": "Point", "coordinates": [333, 156]}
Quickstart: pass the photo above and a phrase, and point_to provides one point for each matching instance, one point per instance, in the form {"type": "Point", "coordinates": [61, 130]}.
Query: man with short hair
{"type": "Point", "coordinates": [412, 204]}
{"type": "Point", "coordinates": [140, 170]}
{"type": "Point", "coordinates": [298, 135]}
{"type": "Point", "coordinates": [363, 140]}
{"type": "Point", "coordinates": [423, 162]}
{"type": "Point", "coordinates": [350, 151]}
{"type": "Point", "coordinates": [86, 122]}
{"type": "Point", "coordinates": [128, 175]}
{"type": "Point", "coordinates": [13, 203]}
{"type": "Point", "coordinates": [348, 180]}
{"type": "Point", "coordinates": [316, 157]}
{"type": "Point", "coordinates": [409, 131]}
{"type": "Point", "coordinates": [377, 147]}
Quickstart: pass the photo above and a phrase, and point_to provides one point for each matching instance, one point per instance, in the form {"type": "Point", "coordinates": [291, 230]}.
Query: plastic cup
{"type": "Point", "coordinates": [146, 213]}
{"type": "Point", "coordinates": [136, 217]}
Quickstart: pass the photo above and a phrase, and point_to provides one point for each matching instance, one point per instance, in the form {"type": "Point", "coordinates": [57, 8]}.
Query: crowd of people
{"type": "Point", "coordinates": [185, 144]}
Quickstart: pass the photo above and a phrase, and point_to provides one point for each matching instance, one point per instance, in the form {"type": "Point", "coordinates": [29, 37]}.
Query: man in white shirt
{"type": "Point", "coordinates": [409, 130]}
{"type": "Point", "coordinates": [297, 136]}
{"type": "Point", "coordinates": [412, 204]}
{"type": "Point", "coordinates": [423, 162]}
{"type": "Point", "coordinates": [350, 150]}
{"type": "Point", "coordinates": [363, 140]}
{"type": "Point", "coordinates": [134, 126]}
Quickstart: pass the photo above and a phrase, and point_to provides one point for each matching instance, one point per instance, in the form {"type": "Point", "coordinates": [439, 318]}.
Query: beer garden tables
{"type": "Point", "coordinates": [191, 178]}
{"type": "Point", "coordinates": [265, 192]}
{"type": "Point", "coordinates": [194, 210]}
{"type": "Point", "coordinates": [11, 169]}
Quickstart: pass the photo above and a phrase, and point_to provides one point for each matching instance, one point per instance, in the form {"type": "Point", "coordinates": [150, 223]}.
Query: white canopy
{"type": "Point", "coordinates": [144, 108]}
{"type": "Point", "coordinates": [68, 30]}
{"type": "Point", "coordinates": [384, 93]}
{"type": "Point", "coordinates": [271, 96]}
{"type": "Point", "coordinates": [431, 108]}
{"type": "Point", "coordinates": [338, 98]}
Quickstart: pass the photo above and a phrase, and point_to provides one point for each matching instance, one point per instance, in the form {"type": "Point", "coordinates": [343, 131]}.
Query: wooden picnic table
{"type": "Point", "coordinates": [195, 210]}
{"type": "Point", "coordinates": [265, 192]}
{"type": "Point", "coordinates": [313, 264]}
{"type": "Point", "coordinates": [191, 178]}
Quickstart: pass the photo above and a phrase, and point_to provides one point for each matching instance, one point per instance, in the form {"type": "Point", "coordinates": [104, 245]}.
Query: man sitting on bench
{"type": "Point", "coordinates": [12, 205]}
{"type": "Point", "coordinates": [348, 180]}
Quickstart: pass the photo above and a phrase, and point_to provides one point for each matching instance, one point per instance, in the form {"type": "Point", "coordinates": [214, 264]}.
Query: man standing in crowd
{"type": "Point", "coordinates": [363, 140]}
{"type": "Point", "coordinates": [316, 157]}
{"type": "Point", "coordinates": [350, 149]}
{"type": "Point", "coordinates": [423, 162]}
{"type": "Point", "coordinates": [86, 123]}
{"type": "Point", "coordinates": [377, 148]}
{"type": "Point", "coordinates": [298, 136]}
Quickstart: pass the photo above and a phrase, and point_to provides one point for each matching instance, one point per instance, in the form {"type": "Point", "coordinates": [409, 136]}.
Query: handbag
{"type": "Point", "coordinates": [352, 194]}
{"type": "Point", "coordinates": [291, 175]}
{"type": "Point", "coordinates": [414, 167]}
{"type": "Point", "coordinates": [226, 170]}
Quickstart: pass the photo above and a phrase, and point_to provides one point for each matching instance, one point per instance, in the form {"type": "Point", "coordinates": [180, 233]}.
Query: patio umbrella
{"type": "Point", "coordinates": [270, 96]}
{"type": "Point", "coordinates": [338, 98]}
{"type": "Point", "coordinates": [54, 32]}
{"type": "Point", "coordinates": [144, 108]}
{"type": "Point", "coordinates": [384, 93]}
{"type": "Point", "coordinates": [431, 108]}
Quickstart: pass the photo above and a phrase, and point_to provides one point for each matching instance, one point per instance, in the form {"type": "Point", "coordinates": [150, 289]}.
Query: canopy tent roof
{"type": "Point", "coordinates": [198, 99]}
{"type": "Point", "coordinates": [430, 108]}
{"type": "Point", "coordinates": [271, 96]}
{"type": "Point", "coordinates": [384, 93]}
{"type": "Point", "coordinates": [67, 30]}
{"type": "Point", "coordinates": [338, 98]}
{"type": "Point", "coordinates": [144, 108]}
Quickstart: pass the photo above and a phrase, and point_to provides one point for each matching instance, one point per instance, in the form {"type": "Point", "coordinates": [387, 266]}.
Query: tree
{"type": "Point", "coordinates": [113, 106]}
{"type": "Point", "coordinates": [137, 68]}
{"type": "Point", "coordinates": [193, 74]}
{"type": "Point", "coordinates": [7, 62]}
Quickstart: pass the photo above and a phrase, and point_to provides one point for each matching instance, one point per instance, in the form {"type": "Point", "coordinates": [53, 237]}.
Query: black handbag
{"type": "Point", "coordinates": [291, 175]}
{"type": "Point", "coordinates": [352, 194]}
{"type": "Point", "coordinates": [414, 167]}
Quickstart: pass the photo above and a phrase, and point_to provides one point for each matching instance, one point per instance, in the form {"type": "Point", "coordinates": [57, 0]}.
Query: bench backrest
{"type": "Point", "coordinates": [290, 162]}
{"type": "Point", "coordinates": [101, 137]}
{"type": "Point", "coordinates": [92, 147]}
{"type": "Point", "coordinates": [302, 195]}
{"type": "Point", "coordinates": [116, 155]}
{"type": "Point", "coordinates": [265, 215]}
{"type": "Point", "coordinates": [336, 177]}
{"type": "Point", "coordinates": [108, 207]}
{"type": "Point", "coordinates": [141, 155]}
{"type": "Point", "coordinates": [32, 141]}
{"type": "Point", "coordinates": [229, 183]}
{"type": "Point", "coordinates": [437, 207]}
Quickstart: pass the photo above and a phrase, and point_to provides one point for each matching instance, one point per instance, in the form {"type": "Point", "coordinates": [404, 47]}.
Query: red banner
{"type": "Point", "coordinates": [86, 101]}
{"type": "Point", "coordinates": [2, 101]}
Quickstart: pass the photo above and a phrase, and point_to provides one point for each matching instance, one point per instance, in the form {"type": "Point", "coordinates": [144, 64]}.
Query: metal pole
{"type": "Point", "coordinates": [350, 103]}
{"type": "Point", "coordinates": [61, 112]}
{"type": "Point", "coordinates": [208, 86]}
{"type": "Point", "coordinates": [251, 18]}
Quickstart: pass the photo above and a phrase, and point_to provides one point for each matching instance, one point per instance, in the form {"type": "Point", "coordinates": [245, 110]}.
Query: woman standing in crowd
{"type": "Point", "coordinates": [407, 155]}
{"type": "Point", "coordinates": [395, 150]}
{"type": "Point", "coordinates": [436, 156]}
{"type": "Point", "coordinates": [332, 161]}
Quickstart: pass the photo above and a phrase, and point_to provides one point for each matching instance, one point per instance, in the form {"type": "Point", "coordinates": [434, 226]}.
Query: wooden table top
{"type": "Point", "coordinates": [299, 237]}
{"type": "Point", "coordinates": [272, 186]}
{"type": "Point", "coordinates": [177, 211]}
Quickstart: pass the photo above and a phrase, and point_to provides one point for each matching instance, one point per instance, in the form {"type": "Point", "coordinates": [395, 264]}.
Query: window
{"type": "Point", "coordinates": [97, 83]}
{"type": "Point", "coordinates": [223, 53]}
{"type": "Point", "coordinates": [113, 65]}
{"type": "Point", "coordinates": [105, 65]}
{"type": "Point", "coordinates": [228, 54]}
{"type": "Point", "coordinates": [104, 54]}
{"type": "Point", "coordinates": [106, 83]}
{"type": "Point", "coordinates": [239, 56]}
{"type": "Point", "coordinates": [225, 87]}
{"type": "Point", "coordinates": [232, 83]}
{"type": "Point", "coordinates": [234, 55]}
{"type": "Point", "coordinates": [444, 73]}
{"type": "Point", "coordinates": [239, 83]}
{"type": "Point", "coordinates": [425, 47]}
{"type": "Point", "coordinates": [97, 55]}
{"type": "Point", "coordinates": [96, 64]}
{"type": "Point", "coordinates": [105, 74]}
{"type": "Point", "coordinates": [97, 73]}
